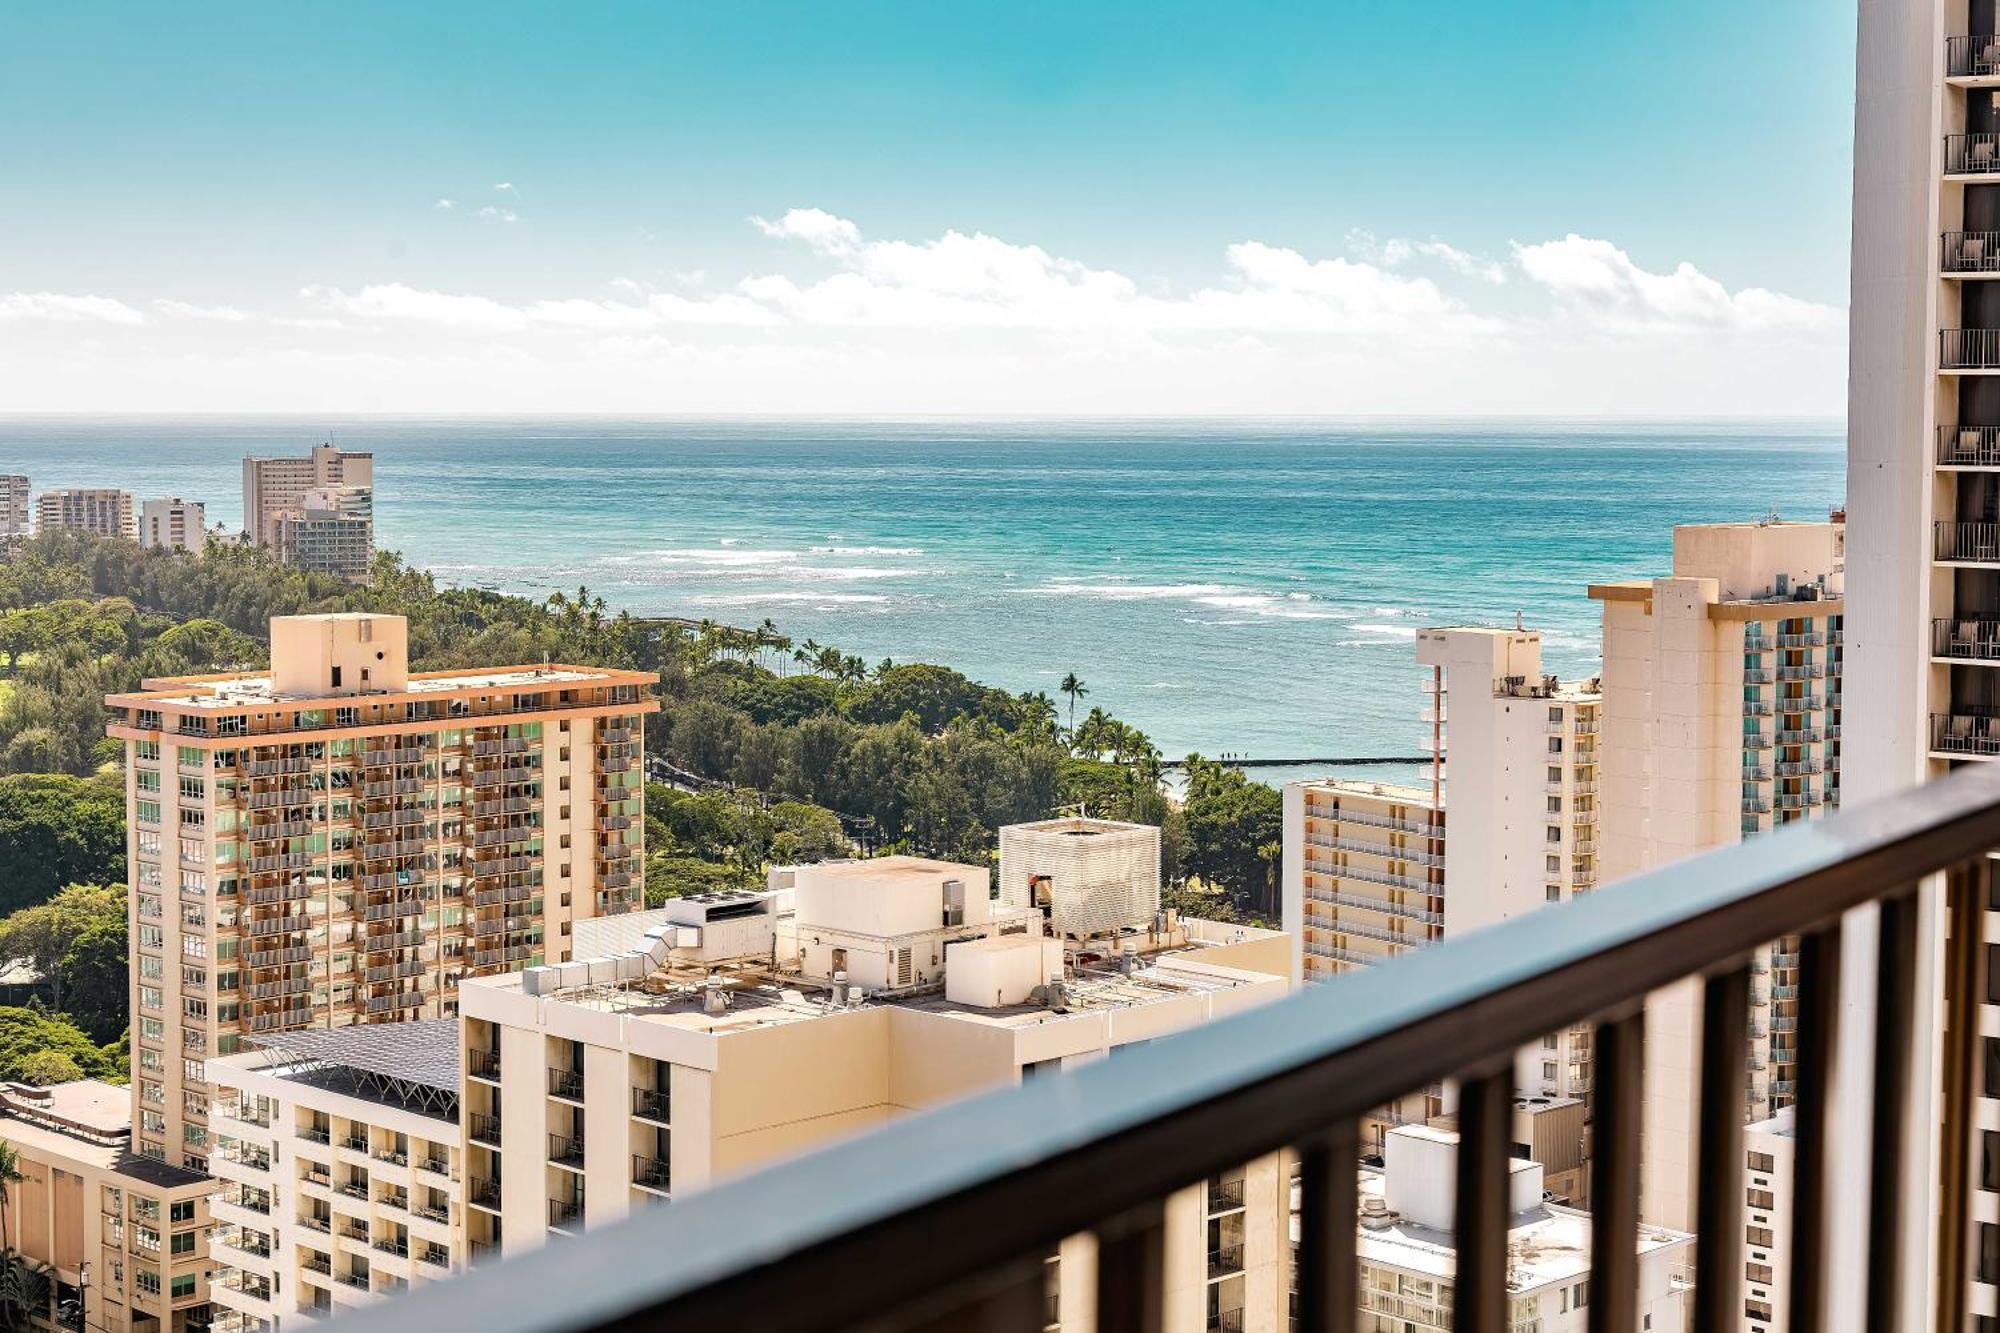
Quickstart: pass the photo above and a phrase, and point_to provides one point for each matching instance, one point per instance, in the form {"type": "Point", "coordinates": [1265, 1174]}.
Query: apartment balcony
{"type": "Point", "coordinates": [1806, 639]}
{"type": "Point", "coordinates": [1377, 849]}
{"type": "Point", "coordinates": [1966, 543]}
{"type": "Point", "coordinates": [1966, 640]}
{"type": "Point", "coordinates": [1756, 805]}
{"type": "Point", "coordinates": [1225, 1260]}
{"type": "Point", "coordinates": [651, 1173]}
{"type": "Point", "coordinates": [846, 1237]}
{"type": "Point", "coordinates": [1370, 903]}
{"type": "Point", "coordinates": [1799, 769]}
{"type": "Point", "coordinates": [1968, 447]}
{"type": "Point", "coordinates": [566, 1084]}
{"type": "Point", "coordinates": [566, 1214]}
{"type": "Point", "coordinates": [1972, 57]}
{"type": "Point", "coordinates": [1756, 708]}
{"type": "Point", "coordinates": [1972, 351]}
{"type": "Point", "coordinates": [483, 1129]}
{"type": "Point", "coordinates": [1757, 675]}
{"type": "Point", "coordinates": [1801, 703]}
{"type": "Point", "coordinates": [1965, 735]}
{"type": "Point", "coordinates": [1379, 821]}
{"type": "Point", "coordinates": [483, 1064]}
{"type": "Point", "coordinates": [1756, 773]}
{"type": "Point", "coordinates": [1798, 735]}
{"type": "Point", "coordinates": [1971, 154]}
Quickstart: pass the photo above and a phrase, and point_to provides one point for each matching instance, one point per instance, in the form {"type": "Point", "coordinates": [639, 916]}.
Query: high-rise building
{"type": "Point", "coordinates": [273, 487]}
{"type": "Point", "coordinates": [101, 511]}
{"type": "Point", "coordinates": [174, 524]}
{"type": "Point", "coordinates": [16, 515]}
{"type": "Point", "coordinates": [735, 1031]}
{"type": "Point", "coordinates": [1369, 871]}
{"type": "Point", "coordinates": [338, 1156]}
{"type": "Point", "coordinates": [1767, 1223]}
{"type": "Point", "coordinates": [122, 1239]}
{"type": "Point", "coordinates": [331, 532]}
{"type": "Point", "coordinates": [1923, 493]}
{"type": "Point", "coordinates": [339, 840]}
{"type": "Point", "coordinates": [1722, 719]}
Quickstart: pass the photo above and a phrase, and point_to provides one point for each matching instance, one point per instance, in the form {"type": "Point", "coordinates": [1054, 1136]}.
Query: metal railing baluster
{"type": "Point", "coordinates": [1329, 1295]}
{"type": "Point", "coordinates": [1619, 1057]}
{"type": "Point", "coordinates": [1968, 892]}
{"type": "Point", "coordinates": [1895, 1005]}
{"type": "Point", "coordinates": [1479, 1225]}
{"type": "Point", "coordinates": [1131, 1271]}
{"type": "Point", "coordinates": [1819, 1032]}
{"type": "Point", "coordinates": [1725, 1074]}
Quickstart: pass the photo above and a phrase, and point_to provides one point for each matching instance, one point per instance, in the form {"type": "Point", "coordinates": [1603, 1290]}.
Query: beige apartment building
{"type": "Point", "coordinates": [733, 1035]}
{"type": "Point", "coordinates": [1369, 872]}
{"type": "Point", "coordinates": [339, 840]}
{"type": "Point", "coordinates": [274, 487]}
{"type": "Point", "coordinates": [1722, 719]}
{"type": "Point", "coordinates": [16, 515]}
{"type": "Point", "coordinates": [339, 1159]}
{"type": "Point", "coordinates": [331, 532]}
{"type": "Point", "coordinates": [101, 511]}
{"type": "Point", "coordinates": [121, 1239]}
{"type": "Point", "coordinates": [173, 524]}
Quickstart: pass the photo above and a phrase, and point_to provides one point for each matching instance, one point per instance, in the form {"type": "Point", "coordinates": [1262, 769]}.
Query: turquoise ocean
{"type": "Point", "coordinates": [1249, 587]}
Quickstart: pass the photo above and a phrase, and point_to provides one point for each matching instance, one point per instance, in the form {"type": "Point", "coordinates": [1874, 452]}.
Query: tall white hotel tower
{"type": "Point", "coordinates": [1923, 580]}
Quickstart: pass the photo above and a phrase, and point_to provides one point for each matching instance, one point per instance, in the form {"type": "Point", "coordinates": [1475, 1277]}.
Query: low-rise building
{"type": "Point", "coordinates": [605, 1085]}
{"type": "Point", "coordinates": [173, 524]}
{"type": "Point", "coordinates": [339, 1161]}
{"type": "Point", "coordinates": [101, 511]}
{"type": "Point", "coordinates": [1767, 1223]}
{"type": "Point", "coordinates": [121, 1239]}
{"type": "Point", "coordinates": [1408, 1261]}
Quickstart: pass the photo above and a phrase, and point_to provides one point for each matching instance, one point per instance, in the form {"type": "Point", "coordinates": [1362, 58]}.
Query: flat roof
{"type": "Point", "coordinates": [424, 1052]}
{"type": "Point", "coordinates": [887, 867]}
{"type": "Point", "coordinates": [1545, 1245]}
{"type": "Point", "coordinates": [88, 1122]}
{"type": "Point", "coordinates": [759, 998]}
{"type": "Point", "coordinates": [1385, 791]}
{"type": "Point", "coordinates": [224, 693]}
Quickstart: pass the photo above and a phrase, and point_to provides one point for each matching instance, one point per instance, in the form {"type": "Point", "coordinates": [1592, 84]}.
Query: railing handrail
{"type": "Point", "coordinates": [974, 1186]}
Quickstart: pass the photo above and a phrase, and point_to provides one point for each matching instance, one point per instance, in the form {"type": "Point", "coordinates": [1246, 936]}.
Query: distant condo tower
{"type": "Point", "coordinates": [174, 524]}
{"type": "Point", "coordinates": [348, 839]}
{"type": "Point", "coordinates": [15, 512]}
{"type": "Point", "coordinates": [101, 511]}
{"type": "Point", "coordinates": [316, 512]}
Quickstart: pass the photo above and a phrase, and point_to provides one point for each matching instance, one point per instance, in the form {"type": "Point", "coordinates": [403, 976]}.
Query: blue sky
{"type": "Point", "coordinates": [255, 190]}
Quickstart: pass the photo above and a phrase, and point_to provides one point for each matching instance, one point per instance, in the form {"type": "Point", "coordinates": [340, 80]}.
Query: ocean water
{"type": "Point", "coordinates": [1249, 587]}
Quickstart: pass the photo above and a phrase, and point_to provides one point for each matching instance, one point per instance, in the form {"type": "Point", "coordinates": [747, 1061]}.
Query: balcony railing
{"type": "Point", "coordinates": [1975, 543]}
{"type": "Point", "coordinates": [1969, 252]}
{"type": "Point", "coordinates": [1965, 733]}
{"type": "Point", "coordinates": [943, 1219]}
{"type": "Point", "coordinates": [1971, 56]}
{"type": "Point", "coordinates": [1973, 640]}
{"type": "Point", "coordinates": [1971, 154]}
{"type": "Point", "coordinates": [1969, 349]}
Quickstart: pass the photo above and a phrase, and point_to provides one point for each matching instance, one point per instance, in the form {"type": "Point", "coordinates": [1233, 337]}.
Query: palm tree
{"type": "Point", "coordinates": [1075, 689]}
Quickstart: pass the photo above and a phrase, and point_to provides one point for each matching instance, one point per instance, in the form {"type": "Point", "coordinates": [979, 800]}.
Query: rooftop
{"type": "Point", "coordinates": [1079, 826]}
{"type": "Point", "coordinates": [756, 996]}
{"type": "Point", "coordinates": [228, 692]}
{"type": "Point", "coordinates": [84, 1121]}
{"type": "Point", "coordinates": [1545, 1244]}
{"type": "Point", "coordinates": [1381, 791]}
{"type": "Point", "coordinates": [414, 1065]}
{"type": "Point", "coordinates": [877, 869]}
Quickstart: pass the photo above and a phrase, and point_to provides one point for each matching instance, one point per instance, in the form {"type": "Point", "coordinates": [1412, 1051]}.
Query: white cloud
{"type": "Point", "coordinates": [221, 314]}
{"type": "Point", "coordinates": [446, 204]}
{"type": "Point", "coordinates": [492, 214]}
{"type": "Point", "coordinates": [1397, 252]}
{"type": "Point", "coordinates": [965, 321]}
{"type": "Point", "coordinates": [815, 226]}
{"type": "Point", "coordinates": [60, 308]}
{"type": "Point", "coordinates": [1600, 282]}
{"type": "Point", "coordinates": [505, 187]}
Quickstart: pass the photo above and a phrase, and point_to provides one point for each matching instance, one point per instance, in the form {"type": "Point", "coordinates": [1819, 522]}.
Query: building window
{"type": "Point", "coordinates": [183, 1285]}
{"type": "Point", "coordinates": [1758, 1237]}
{"type": "Point", "coordinates": [1763, 1163]}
